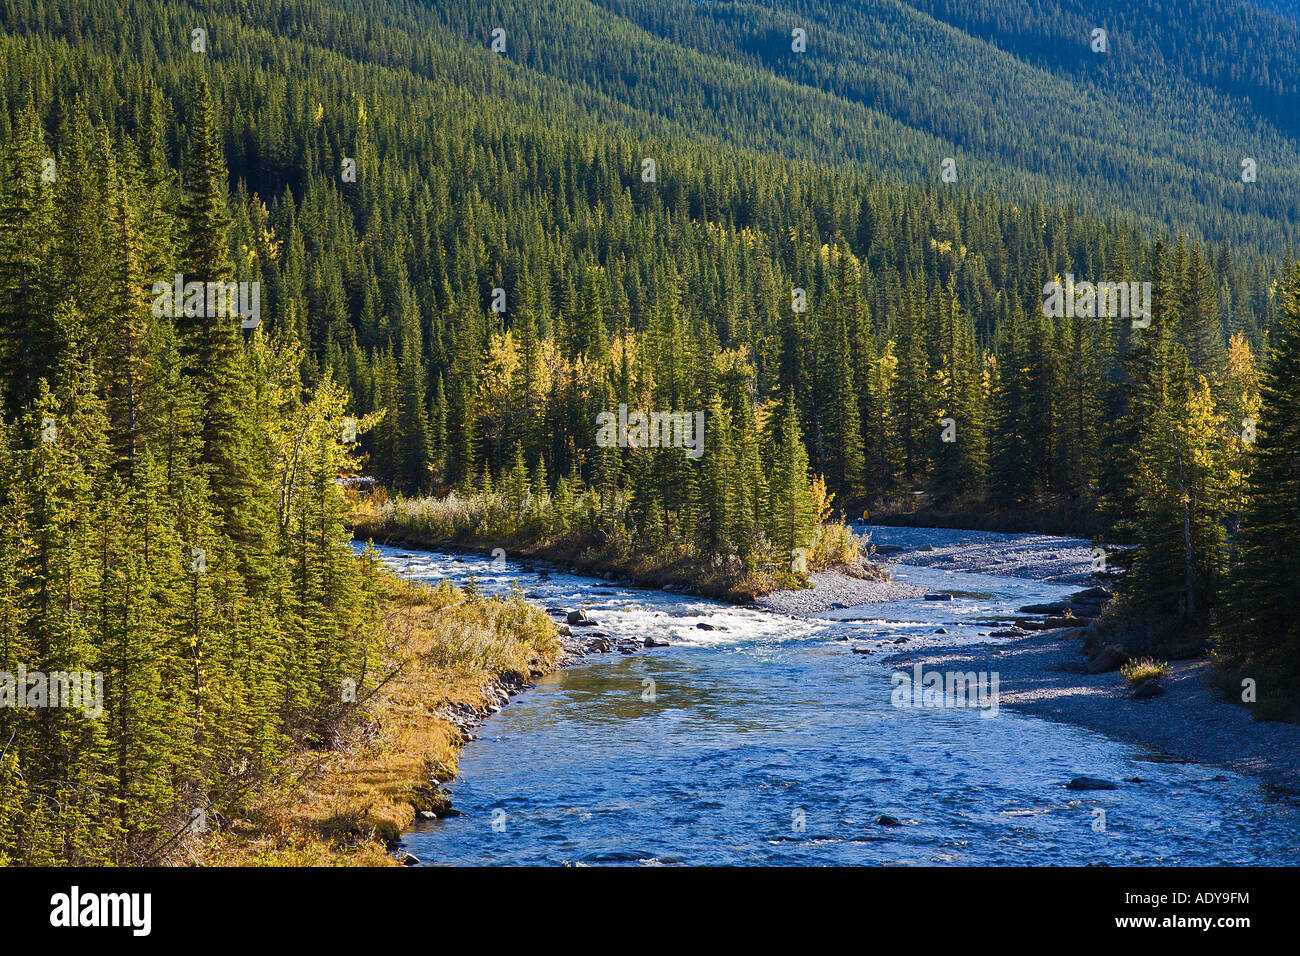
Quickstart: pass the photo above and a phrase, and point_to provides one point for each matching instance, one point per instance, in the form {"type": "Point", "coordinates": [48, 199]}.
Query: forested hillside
{"type": "Point", "coordinates": [474, 254]}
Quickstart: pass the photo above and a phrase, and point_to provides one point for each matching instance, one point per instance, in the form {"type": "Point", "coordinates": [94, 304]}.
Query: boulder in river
{"type": "Point", "coordinates": [579, 618]}
{"type": "Point", "coordinates": [1056, 607]}
{"type": "Point", "coordinates": [409, 859]}
{"type": "Point", "coordinates": [1032, 624]}
{"type": "Point", "coordinates": [1009, 632]}
{"type": "Point", "coordinates": [1090, 783]}
{"type": "Point", "coordinates": [885, 820]}
{"type": "Point", "coordinates": [654, 642]}
{"type": "Point", "coordinates": [938, 597]}
{"type": "Point", "coordinates": [1068, 620]}
{"type": "Point", "coordinates": [861, 650]}
{"type": "Point", "coordinates": [705, 627]}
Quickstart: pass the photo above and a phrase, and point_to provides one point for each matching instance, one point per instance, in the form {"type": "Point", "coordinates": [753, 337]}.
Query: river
{"type": "Point", "coordinates": [767, 741]}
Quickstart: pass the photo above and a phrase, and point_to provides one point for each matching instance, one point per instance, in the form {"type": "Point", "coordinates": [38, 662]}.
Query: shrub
{"type": "Point", "coordinates": [1136, 671]}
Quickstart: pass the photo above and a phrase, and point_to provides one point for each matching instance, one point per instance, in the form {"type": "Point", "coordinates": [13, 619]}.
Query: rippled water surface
{"type": "Point", "coordinates": [767, 741]}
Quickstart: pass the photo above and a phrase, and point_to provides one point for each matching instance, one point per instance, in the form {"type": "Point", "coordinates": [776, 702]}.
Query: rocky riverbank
{"type": "Point", "coordinates": [834, 590]}
{"type": "Point", "coordinates": [1038, 557]}
{"type": "Point", "coordinates": [1044, 674]}
{"type": "Point", "coordinates": [1056, 666]}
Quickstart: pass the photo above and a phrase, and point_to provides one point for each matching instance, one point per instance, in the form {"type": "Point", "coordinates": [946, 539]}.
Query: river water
{"type": "Point", "coordinates": [767, 741]}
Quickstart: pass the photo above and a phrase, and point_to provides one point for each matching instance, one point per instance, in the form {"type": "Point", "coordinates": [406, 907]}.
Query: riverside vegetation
{"type": "Point", "coordinates": [788, 534]}
{"type": "Point", "coordinates": [439, 654]}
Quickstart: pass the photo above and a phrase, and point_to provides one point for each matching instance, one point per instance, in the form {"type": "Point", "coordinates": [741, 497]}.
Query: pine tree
{"type": "Point", "coordinates": [1260, 631]}
{"type": "Point", "coordinates": [793, 513]}
{"type": "Point", "coordinates": [26, 225]}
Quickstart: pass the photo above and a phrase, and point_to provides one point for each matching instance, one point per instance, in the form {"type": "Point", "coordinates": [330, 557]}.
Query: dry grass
{"type": "Point", "coordinates": [436, 646]}
{"type": "Point", "coordinates": [1137, 671]}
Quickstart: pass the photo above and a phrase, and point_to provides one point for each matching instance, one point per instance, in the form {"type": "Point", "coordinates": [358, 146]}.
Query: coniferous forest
{"type": "Point", "coordinates": [466, 255]}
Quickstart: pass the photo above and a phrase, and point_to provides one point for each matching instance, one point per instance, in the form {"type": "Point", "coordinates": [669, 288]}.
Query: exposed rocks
{"type": "Point", "coordinates": [938, 597]}
{"type": "Point", "coordinates": [652, 641]}
{"type": "Point", "coordinates": [579, 618]}
{"type": "Point", "coordinates": [1069, 620]}
{"type": "Point", "coordinates": [885, 820]}
{"type": "Point", "coordinates": [1009, 632]}
{"type": "Point", "coordinates": [408, 859]}
{"type": "Point", "coordinates": [1086, 612]}
{"type": "Point", "coordinates": [861, 650]}
{"type": "Point", "coordinates": [1056, 607]}
{"type": "Point", "coordinates": [1099, 594]}
{"type": "Point", "coordinates": [1090, 783]}
{"type": "Point", "coordinates": [834, 590]}
{"type": "Point", "coordinates": [705, 627]}
{"type": "Point", "coordinates": [1037, 557]}
{"type": "Point", "coordinates": [1151, 687]}
{"type": "Point", "coordinates": [1109, 658]}
{"type": "Point", "coordinates": [462, 716]}
{"type": "Point", "coordinates": [1080, 608]}
{"type": "Point", "coordinates": [1030, 624]}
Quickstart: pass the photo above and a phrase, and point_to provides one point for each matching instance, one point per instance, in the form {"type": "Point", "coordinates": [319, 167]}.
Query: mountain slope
{"type": "Point", "coordinates": [1157, 126]}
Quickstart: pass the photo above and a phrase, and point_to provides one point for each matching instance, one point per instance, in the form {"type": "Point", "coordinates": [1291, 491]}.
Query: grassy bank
{"type": "Point", "coordinates": [435, 649]}
{"type": "Point", "coordinates": [487, 522]}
